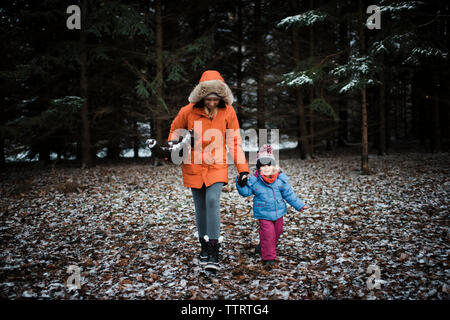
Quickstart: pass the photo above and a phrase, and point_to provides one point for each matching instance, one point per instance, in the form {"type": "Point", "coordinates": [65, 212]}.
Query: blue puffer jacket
{"type": "Point", "coordinates": [268, 202]}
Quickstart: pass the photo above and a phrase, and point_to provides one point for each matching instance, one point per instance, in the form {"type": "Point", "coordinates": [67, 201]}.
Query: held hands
{"type": "Point", "coordinates": [242, 180]}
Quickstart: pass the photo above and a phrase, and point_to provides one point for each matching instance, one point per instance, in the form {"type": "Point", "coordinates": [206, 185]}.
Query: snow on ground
{"type": "Point", "coordinates": [130, 230]}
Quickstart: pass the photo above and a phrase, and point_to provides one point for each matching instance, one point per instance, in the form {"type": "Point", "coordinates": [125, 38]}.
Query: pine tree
{"type": "Point", "coordinates": [309, 74]}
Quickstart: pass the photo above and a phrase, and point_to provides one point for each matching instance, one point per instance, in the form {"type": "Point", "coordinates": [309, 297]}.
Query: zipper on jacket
{"type": "Point", "coordinates": [274, 198]}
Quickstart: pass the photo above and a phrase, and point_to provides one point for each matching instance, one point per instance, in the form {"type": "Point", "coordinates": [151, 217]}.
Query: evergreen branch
{"type": "Point", "coordinates": [149, 84]}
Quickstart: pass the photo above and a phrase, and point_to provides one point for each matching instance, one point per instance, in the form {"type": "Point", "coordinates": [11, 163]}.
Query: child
{"type": "Point", "coordinates": [270, 187]}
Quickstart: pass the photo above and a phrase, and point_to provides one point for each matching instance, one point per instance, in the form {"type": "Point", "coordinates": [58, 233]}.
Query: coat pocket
{"type": "Point", "coordinates": [260, 204]}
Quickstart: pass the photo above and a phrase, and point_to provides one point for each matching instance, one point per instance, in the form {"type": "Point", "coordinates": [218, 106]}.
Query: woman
{"type": "Point", "coordinates": [210, 114]}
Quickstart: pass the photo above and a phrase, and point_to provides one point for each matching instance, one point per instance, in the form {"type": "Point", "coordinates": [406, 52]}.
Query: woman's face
{"type": "Point", "coordinates": [211, 103]}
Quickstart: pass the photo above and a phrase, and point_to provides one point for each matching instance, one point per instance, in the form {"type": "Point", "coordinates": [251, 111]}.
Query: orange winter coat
{"type": "Point", "coordinates": [208, 158]}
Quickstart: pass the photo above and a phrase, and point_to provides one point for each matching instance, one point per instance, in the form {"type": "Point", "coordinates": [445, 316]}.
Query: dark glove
{"type": "Point", "coordinates": [193, 137]}
{"type": "Point", "coordinates": [178, 145]}
{"type": "Point", "coordinates": [186, 140]}
{"type": "Point", "coordinates": [242, 181]}
{"type": "Point", "coordinates": [169, 146]}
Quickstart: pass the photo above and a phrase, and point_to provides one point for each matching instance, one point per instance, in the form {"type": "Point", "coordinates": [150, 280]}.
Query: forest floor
{"type": "Point", "coordinates": [130, 229]}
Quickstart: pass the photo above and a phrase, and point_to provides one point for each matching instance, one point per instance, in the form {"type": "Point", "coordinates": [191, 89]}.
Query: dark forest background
{"type": "Point", "coordinates": [313, 69]}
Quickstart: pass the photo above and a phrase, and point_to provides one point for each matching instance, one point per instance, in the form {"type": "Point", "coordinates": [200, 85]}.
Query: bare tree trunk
{"type": "Point", "coordinates": [2, 153]}
{"type": "Point", "coordinates": [436, 134]}
{"type": "Point", "coordinates": [396, 121]}
{"type": "Point", "coordinates": [405, 110]}
{"type": "Point", "coordinates": [417, 105]}
{"type": "Point", "coordinates": [343, 122]}
{"type": "Point", "coordinates": [86, 160]}
{"type": "Point", "coordinates": [311, 93]}
{"type": "Point", "coordinates": [159, 69]}
{"type": "Point", "coordinates": [259, 66]}
{"type": "Point", "coordinates": [135, 140]}
{"type": "Point", "coordinates": [343, 105]}
{"type": "Point", "coordinates": [302, 138]}
{"type": "Point", "coordinates": [114, 136]}
{"type": "Point", "coordinates": [381, 114]}
{"type": "Point", "coordinates": [239, 64]}
{"type": "Point", "coordinates": [365, 142]}
{"type": "Point", "coordinates": [311, 119]}
{"type": "Point", "coordinates": [389, 104]}
{"type": "Point", "coordinates": [2, 140]}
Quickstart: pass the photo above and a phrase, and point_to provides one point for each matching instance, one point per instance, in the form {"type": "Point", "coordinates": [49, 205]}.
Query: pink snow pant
{"type": "Point", "coordinates": [269, 233]}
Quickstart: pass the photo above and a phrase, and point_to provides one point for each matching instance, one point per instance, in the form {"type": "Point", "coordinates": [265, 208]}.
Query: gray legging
{"type": "Point", "coordinates": [207, 210]}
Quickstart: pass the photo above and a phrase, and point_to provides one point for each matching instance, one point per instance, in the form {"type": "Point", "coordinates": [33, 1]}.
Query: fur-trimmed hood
{"type": "Point", "coordinates": [211, 82]}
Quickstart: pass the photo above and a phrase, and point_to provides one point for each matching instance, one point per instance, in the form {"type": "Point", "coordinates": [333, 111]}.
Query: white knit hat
{"type": "Point", "coordinates": [266, 151]}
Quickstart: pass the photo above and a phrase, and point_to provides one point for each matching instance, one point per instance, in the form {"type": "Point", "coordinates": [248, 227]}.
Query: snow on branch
{"type": "Point", "coordinates": [296, 79]}
{"type": "Point", "coordinates": [307, 18]}
{"type": "Point", "coordinates": [419, 53]}
{"type": "Point", "coordinates": [398, 7]}
{"type": "Point", "coordinates": [70, 101]}
{"type": "Point", "coordinates": [360, 65]}
{"type": "Point", "coordinates": [358, 72]}
{"type": "Point", "coordinates": [350, 86]}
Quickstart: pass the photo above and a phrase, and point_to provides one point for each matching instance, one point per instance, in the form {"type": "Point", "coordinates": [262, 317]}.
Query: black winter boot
{"type": "Point", "coordinates": [204, 251]}
{"type": "Point", "coordinates": [213, 255]}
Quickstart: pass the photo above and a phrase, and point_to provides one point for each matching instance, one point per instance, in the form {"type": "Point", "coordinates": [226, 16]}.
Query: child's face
{"type": "Point", "coordinates": [268, 170]}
